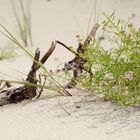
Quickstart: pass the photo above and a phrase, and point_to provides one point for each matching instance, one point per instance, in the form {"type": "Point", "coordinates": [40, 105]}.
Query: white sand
{"type": "Point", "coordinates": [44, 119]}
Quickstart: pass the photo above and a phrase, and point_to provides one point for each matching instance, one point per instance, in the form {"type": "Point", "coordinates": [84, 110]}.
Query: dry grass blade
{"type": "Point", "coordinates": [40, 92]}
{"type": "Point", "coordinates": [62, 106]}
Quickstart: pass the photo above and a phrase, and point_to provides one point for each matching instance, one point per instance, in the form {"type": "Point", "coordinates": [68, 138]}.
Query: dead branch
{"type": "Point", "coordinates": [91, 35]}
{"type": "Point", "coordinates": [25, 92]}
{"type": "Point", "coordinates": [68, 48]}
{"type": "Point", "coordinates": [49, 52]}
{"type": "Point", "coordinates": [78, 63]}
{"type": "Point", "coordinates": [45, 57]}
{"type": "Point", "coordinates": [28, 91]}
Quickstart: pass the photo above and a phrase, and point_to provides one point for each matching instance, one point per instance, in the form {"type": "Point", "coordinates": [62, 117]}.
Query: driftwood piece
{"type": "Point", "coordinates": [77, 64]}
{"type": "Point", "coordinates": [27, 91]}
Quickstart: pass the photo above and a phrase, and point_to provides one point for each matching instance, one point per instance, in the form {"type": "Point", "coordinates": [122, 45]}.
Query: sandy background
{"type": "Point", "coordinates": [44, 119]}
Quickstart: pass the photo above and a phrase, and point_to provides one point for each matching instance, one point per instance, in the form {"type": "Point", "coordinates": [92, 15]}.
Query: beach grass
{"type": "Point", "coordinates": [22, 15]}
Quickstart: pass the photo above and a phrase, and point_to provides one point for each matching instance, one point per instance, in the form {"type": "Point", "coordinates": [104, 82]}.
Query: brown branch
{"type": "Point", "coordinates": [68, 48]}
{"type": "Point", "coordinates": [32, 73]}
{"type": "Point", "coordinates": [25, 92]}
{"type": "Point", "coordinates": [91, 35]}
{"type": "Point", "coordinates": [46, 56]}
{"type": "Point", "coordinates": [78, 62]}
{"type": "Point", "coordinates": [28, 91]}
{"type": "Point", "coordinates": [49, 52]}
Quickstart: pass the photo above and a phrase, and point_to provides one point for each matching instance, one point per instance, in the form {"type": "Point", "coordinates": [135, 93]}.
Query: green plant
{"type": "Point", "coordinates": [116, 72]}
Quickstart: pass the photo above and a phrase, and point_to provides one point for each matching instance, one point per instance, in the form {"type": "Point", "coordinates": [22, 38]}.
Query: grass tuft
{"type": "Point", "coordinates": [22, 14]}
